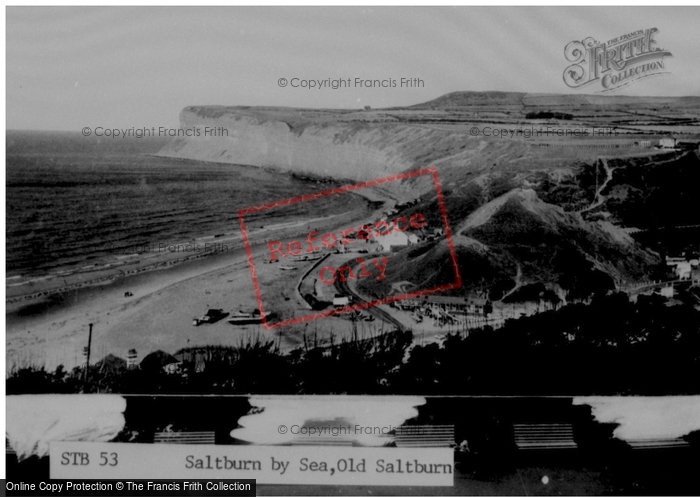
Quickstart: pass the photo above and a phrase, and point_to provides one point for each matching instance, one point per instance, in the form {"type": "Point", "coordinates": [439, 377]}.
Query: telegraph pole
{"type": "Point", "coordinates": [87, 363]}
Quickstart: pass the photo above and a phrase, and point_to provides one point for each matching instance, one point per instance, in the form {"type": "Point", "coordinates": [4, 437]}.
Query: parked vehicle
{"type": "Point", "coordinates": [254, 317]}
{"type": "Point", "coordinates": [212, 316]}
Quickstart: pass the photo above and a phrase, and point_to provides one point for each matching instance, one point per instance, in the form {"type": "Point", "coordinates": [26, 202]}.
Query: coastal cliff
{"type": "Point", "coordinates": [289, 140]}
{"type": "Point", "coordinates": [463, 132]}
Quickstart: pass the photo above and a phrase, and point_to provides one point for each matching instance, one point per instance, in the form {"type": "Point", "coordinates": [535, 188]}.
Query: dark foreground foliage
{"type": "Point", "coordinates": [610, 347]}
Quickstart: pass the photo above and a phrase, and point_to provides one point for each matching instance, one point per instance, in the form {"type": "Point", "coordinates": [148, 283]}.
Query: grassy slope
{"type": "Point", "coordinates": [551, 247]}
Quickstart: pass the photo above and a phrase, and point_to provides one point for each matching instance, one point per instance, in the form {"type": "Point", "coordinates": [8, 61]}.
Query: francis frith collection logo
{"type": "Point", "coordinates": [615, 63]}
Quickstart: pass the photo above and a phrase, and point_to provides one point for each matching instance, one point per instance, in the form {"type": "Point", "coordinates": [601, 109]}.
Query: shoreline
{"type": "Point", "coordinates": [116, 266]}
{"type": "Point", "coordinates": [48, 326]}
{"type": "Point", "coordinates": [160, 260]}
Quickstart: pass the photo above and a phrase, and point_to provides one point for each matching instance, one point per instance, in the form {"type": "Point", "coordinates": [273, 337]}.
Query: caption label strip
{"type": "Point", "coordinates": [313, 465]}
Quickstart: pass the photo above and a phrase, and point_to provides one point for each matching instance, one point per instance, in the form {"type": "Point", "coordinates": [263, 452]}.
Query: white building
{"type": "Point", "coordinates": [683, 270]}
{"type": "Point", "coordinates": [667, 291]}
{"type": "Point", "coordinates": [341, 302]}
{"type": "Point", "coordinates": [131, 358]}
{"type": "Point", "coordinates": [667, 143]}
{"type": "Point", "coordinates": [392, 239]}
{"type": "Point", "coordinates": [413, 239]}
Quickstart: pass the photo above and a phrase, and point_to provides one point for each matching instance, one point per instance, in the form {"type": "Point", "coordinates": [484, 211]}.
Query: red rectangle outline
{"type": "Point", "coordinates": [342, 189]}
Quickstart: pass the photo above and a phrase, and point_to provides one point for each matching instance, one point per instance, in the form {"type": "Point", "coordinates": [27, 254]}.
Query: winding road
{"type": "Point", "coordinates": [377, 312]}
{"type": "Point", "coordinates": [518, 283]}
{"type": "Point", "coordinates": [599, 199]}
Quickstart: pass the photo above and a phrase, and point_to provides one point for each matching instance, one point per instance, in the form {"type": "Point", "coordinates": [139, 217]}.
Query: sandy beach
{"type": "Point", "coordinates": [47, 325]}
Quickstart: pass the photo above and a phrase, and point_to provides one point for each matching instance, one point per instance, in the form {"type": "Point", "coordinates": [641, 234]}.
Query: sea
{"type": "Point", "coordinates": [71, 199]}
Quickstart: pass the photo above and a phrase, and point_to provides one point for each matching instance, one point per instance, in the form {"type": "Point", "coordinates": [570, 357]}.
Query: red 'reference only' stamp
{"type": "Point", "coordinates": [368, 248]}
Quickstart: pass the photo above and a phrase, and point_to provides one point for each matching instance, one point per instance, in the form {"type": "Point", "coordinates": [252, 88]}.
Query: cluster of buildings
{"type": "Point", "coordinates": [402, 239]}
{"type": "Point", "coordinates": [445, 310]}
{"type": "Point", "coordinates": [667, 143]}
{"type": "Point", "coordinates": [158, 360]}
{"type": "Point", "coordinates": [457, 305]}
{"type": "Point", "coordinates": [396, 239]}
{"type": "Point", "coordinates": [684, 269]}
{"type": "Point", "coordinates": [663, 143]}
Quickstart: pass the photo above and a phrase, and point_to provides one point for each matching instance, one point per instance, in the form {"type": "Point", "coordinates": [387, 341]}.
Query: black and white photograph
{"type": "Point", "coordinates": [352, 250]}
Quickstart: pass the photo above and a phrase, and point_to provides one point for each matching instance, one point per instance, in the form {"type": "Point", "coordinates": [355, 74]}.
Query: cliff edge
{"type": "Point", "coordinates": [307, 142]}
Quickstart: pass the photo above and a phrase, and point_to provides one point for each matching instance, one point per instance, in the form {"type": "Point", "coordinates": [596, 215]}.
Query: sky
{"type": "Point", "coordinates": [123, 67]}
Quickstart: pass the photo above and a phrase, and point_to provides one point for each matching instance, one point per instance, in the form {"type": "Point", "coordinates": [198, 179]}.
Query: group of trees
{"type": "Point", "coordinates": [610, 347]}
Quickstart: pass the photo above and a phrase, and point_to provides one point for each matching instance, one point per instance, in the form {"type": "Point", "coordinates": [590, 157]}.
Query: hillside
{"type": "Point", "coordinates": [517, 242]}
{"type": "Point", "coordinates": [474, 98]}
